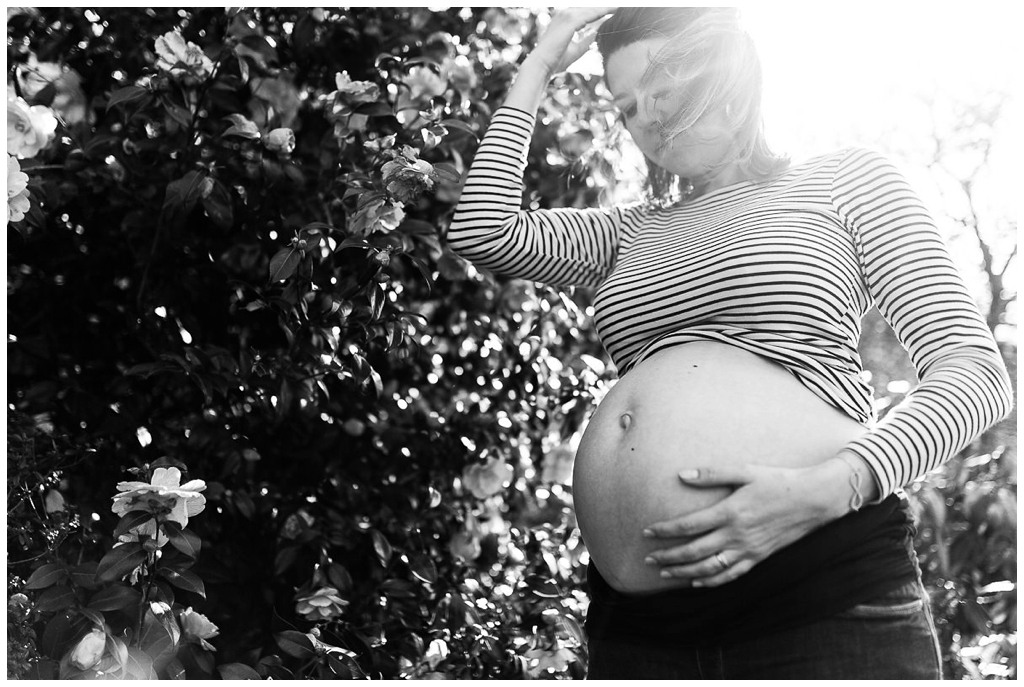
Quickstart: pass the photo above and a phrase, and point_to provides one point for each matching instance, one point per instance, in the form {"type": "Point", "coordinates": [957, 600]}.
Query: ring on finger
{"type": "Point", "coordinates": [722, 560]}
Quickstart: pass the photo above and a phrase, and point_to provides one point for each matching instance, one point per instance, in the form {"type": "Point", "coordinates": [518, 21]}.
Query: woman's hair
{"type": "Point", "coordinates": [713, 61]}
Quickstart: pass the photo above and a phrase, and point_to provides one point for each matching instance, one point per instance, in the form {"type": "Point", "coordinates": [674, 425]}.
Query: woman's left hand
{"type": "Point", "coordinates": [769, 508]}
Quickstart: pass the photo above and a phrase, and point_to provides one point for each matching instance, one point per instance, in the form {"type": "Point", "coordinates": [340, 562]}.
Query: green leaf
{"type": "Point", "coordinates": [120, 561]}
{"type": "Point", "coordinates": [181, 197]}
{"type": "Point", "coordinates": [339, 577]}
{"type": "Point", "coordinates": [138, 666]}
{"type": "Point", "coordinates": [283, 264]}
{"type": "Point", "coordinates": [416, 227]}
{"type": "Point", "coordinates": [175, 670]}
{"type": "Point", "coordinates": [219, 206]}
{"type": "Point", "coordinates": [184, 540]}
{"type": "Point", "coordinates": [572, 627]}
{"type": "Point", "coordinates": [338, 667]}
{"type": "Point", "coordinates": [184, 579]}
{"type": "Point", "coordinates": [424, 569]}
{"type": "Point", "coordinates": [354, 243]}
{"type": "Point", "coordinates": [181, 115]}
{"type": "Point", "coordinates": [295, 644]}
{"type": "Point", "coordinates": [241, 127]}
{"type": "Point", "coordinates": [237, 671]}
{"type": "Point", "coordinates": [315, 228]}
{"type": "Point", "coordinates": [130, 520]}
{"type": "Point", "coordinates": [284, 559]}
{"type": "Point", "coordinates": [460, 126]}
{"type": "Point", "coordinates": [377, 109]}
{"type": "Point", "coordinates": [377, 299]}
{"type": "Point", "coordinates": [46, 576]}
{"type": "Point", "coordinates": [382, 547]}
{"type": "Point", "coordinates": [56, 599]}
{"type": "Point", "coordinates": [96, 617]}
{"type": "Point", "coordinates": [448, 172]}
{"type": "Point", "coordinates": [115, 598]}
{"type": "Point", "coordinates": [128, 95]}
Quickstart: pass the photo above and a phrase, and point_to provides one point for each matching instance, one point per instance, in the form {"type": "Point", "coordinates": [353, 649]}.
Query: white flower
{"type": "Point", "coordinates": [29, 129]}
{"type": "Point", "coordinates": [379, 215]}
{"type": "Point", "coordinates": [356, 91]}
{"type": "Point", "coordinates": [424, 83]}
{"type": "Point", "coordinates": [275, 96]}
{"type": "Point", "coordinates": [465, 545]}
{"type": "Point", "coordinates": [460, 73]}
{"type": "Point", "coordinates": [17, 191]}
{"type": "Point", "coordinates": [69, 100]}
{"type": "Point", "coordinates": [165, 495]}
{"type": "Point", "coordinates": [322, 604]}
{"type": "Point", "coordinates": [487, 479]}
{"type": "Point", "coordinates": [198, 627]}
{"type": "Point", "coordinates": [181, 57]}
{"type": "Point", "coordinates": [89, 649]}
{"type": "Point", "coordinates": [147, 530]}
{"type": "Point", "coordinates": [280, 141]}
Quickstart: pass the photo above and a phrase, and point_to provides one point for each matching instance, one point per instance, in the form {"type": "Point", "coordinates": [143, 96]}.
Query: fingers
{"type": "Point", "coordinates": [728, 575]}
{"type": "Point", "coordinates": [736, 475]}
{"type": "Point", "coordinates": [690, 554]}
{"type": "Point", "coordinates": [705, 571]}
{"type": "Point", "coordinates": [690, 525]}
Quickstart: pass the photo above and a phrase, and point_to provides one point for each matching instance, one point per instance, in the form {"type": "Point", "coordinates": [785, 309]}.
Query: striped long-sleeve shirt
{"type": "Point", "coordinates": [785, 268]}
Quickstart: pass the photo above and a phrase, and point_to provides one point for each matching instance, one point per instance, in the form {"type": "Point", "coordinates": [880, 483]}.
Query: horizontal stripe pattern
{"type": "Point", "coordinates": [785, 269]}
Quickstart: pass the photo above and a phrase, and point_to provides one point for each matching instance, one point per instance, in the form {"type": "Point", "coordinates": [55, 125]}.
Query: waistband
{"type": "Point", "coordinates": [844, 563]}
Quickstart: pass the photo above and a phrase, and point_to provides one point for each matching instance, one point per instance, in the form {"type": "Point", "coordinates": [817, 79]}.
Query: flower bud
{"type": "Point", "coordinates": [280, 141]}
{"type": "Point", "coordinates": [89, 649]}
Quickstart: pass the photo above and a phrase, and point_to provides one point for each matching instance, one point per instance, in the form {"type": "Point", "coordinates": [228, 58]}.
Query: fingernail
{"type": "Point", "coordinates": [689, 474]}
{"type": "Point", "coordinates": [666, 574]}
{"type": "Point", "coordinates": [650, 560]}
{"type": "Point", "coordinates": [696, 583]}
{"type": "Point", "coordinates": [649, 533]}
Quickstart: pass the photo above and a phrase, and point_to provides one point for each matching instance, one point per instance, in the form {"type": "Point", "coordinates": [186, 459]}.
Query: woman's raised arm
{"type": "Point", "coordinates": [566, 246]}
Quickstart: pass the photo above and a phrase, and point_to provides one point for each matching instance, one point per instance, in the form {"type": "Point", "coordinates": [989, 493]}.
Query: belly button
{"type": "Point", "coordinates": [625, 420]}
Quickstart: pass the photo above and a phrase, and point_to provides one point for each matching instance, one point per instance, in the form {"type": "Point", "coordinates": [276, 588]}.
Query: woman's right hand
{"type": "Point", "coordinates": [567, 37]}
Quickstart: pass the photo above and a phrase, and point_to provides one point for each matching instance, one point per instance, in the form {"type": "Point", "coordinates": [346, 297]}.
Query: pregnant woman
{"type": "Point", "coordinates": [741, 506]}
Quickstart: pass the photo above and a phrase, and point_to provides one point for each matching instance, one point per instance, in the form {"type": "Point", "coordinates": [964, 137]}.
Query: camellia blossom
{"type": "Point", "coordinates": [487, 479]}
{"type": "Point", "coordinates": [379, 215]}
{"type": "Point", "coordinates": [424, 83]}
{"type": "Point", "coordinates": [460, 74]}
{"type": "Point", "coordinates": [69, 100]}
{"type": "Point", "coordinates": [406, 176]}
{"type": "Point", "coordinates": [165, 495]}
{"type": "Point", "coordinates": [89, 649]}
{"type": "Point", "coordinates": [147, 530]}
{"type": "Point", "coordinates": [356, 91]}
{"type": "Point", "coordinates": [465, 545]}
{"type": "Point", "coordinates": [323, 604]}
{"type": "Point", "coordinates": [198, 628]}
{"type": "Point", "coordinates": [29, 129]}
{"type": "Point", "coordinates": [181, 57]}
{"type": "Point", "coordinates": [17, 191]}
{"type": "Point", "coordinates": [280, 141]}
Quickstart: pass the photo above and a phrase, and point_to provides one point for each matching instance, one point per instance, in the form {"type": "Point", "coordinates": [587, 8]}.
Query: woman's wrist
{"type": "Point", "coordinates": [530, 84]}
{"type": "Point", "coordinates": [842, 485]}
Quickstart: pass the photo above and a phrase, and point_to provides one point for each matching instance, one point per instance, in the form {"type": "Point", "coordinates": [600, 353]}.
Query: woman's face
{"type": "Point", "coordinates": [695, 154]}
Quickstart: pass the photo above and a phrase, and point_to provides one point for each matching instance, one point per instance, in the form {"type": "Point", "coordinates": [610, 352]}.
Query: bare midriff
{"type": "Point", "coordinates": [700, 404]}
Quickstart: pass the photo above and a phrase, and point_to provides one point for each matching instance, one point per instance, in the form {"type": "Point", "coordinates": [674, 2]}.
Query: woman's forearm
{"type": "Point", "coordinates": [529, 86]}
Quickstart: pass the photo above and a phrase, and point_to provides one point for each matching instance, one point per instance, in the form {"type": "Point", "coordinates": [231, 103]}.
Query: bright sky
{"type": "Point", "coordinates": [832, 69]}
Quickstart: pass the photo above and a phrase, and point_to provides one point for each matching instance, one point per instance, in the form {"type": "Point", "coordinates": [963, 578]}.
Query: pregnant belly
{"type": "Point", "coordinates": [701, 404]}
